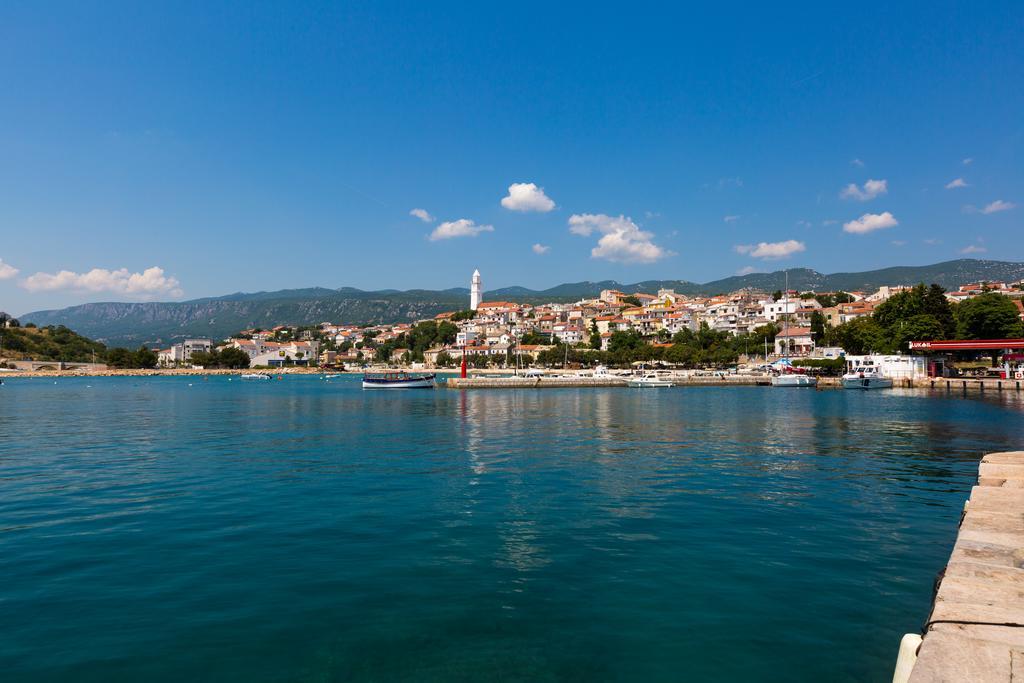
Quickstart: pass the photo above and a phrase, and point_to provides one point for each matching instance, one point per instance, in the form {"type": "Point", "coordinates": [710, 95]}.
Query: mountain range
{"type": "Point", "coordinates": [133, 324]}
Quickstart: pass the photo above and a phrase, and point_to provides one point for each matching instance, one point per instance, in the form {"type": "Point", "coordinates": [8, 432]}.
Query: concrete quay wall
{"type": "Point", "coordinates": [975, 631]}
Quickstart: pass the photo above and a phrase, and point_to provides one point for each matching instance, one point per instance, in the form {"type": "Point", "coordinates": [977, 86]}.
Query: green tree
{"type": "Point", "coordinates": [119, 358]}
{"type": "Point", "coordinates": [631, 300]}
{"type": "Point", "coordinates": [232, 357]}
{"type": "Point", "coordinates": [923, 327]}
{"type": "Point", "coordinates": [595, 336]}
{"type": "Point", "coordinates": [858, 336]}
{"type": "Point", "coordinates": [145, 358]}
{"type": "Point", "coordinates": [988, 316]}
{"type": "Point", "coordinates": [467, 314]}
{"type": "Point", "coordinates": [625, 341]}
{"type": "Point", "coordinates": [817, 326]}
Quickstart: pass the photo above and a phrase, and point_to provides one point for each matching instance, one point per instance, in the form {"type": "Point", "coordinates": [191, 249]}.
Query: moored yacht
{"type": "Point", "coordinates": [788, 375]}
{"type": "Point", "coordinates": [794, 380]}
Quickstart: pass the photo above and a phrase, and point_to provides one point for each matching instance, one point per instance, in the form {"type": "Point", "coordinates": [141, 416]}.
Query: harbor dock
{"type": "Point", "coordinates": [584, 381]}
{"type": "Point", "coordinates": [975, 631]}
{"type": "Point", "coordinates": [936, 384]}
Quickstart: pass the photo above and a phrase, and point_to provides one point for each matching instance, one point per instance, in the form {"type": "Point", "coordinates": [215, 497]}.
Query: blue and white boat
{"type": "Point", "coordinates": [865, 374]}
{"type": "Point", "coordinates": [397, 379]}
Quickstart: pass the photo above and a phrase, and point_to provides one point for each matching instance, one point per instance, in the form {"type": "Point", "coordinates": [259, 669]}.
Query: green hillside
{"type": "Point", "coordinates": [49, 343]}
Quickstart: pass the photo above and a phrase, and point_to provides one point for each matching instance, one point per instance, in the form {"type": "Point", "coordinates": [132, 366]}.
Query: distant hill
{"type": "Point", "coordinates": [132, 324]}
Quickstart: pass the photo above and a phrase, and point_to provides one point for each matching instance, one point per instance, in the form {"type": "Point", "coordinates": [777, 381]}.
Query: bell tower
{"type": "Point", "coordinates": [476, 292]}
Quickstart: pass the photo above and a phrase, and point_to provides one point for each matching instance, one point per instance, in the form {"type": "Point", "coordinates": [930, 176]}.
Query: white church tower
{"type": "Point", "coordinates": [476, 291]}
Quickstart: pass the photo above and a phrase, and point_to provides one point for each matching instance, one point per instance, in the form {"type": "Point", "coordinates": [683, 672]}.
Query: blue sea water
{"type": "Point", "coordinates": [171, 529]}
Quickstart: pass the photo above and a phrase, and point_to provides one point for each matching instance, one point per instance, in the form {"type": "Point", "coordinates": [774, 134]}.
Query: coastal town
{"type": "Point", "coordinates": [502, 333]}
{"type": "Point", "coordinates": [618, 329]}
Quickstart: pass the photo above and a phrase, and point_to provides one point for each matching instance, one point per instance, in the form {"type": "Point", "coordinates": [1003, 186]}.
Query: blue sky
{"type": "Point", "coordinates": [257, 146]}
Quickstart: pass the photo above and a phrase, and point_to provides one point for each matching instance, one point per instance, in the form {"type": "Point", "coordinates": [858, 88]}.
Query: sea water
{"type": "Point", "coordinates": [171, 529]}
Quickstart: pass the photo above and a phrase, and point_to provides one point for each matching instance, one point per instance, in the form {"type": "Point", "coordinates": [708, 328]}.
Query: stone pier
{"type": "Point", "coordinates": [975, 631]}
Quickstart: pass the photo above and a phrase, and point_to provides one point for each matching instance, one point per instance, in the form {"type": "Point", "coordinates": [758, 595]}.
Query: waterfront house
{"type": "Point", "coordinates": [796, 341]}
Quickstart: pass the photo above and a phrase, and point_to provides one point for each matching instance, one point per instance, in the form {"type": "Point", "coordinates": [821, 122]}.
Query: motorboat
{"type": "Point", "coordinates": [256, 375]}
{"type": "Point", "coordinates": [649, 381]}
{"type": "Point", "coordinates": [865, 375]}
{"type": "Point", "coordinates": [397, 379]}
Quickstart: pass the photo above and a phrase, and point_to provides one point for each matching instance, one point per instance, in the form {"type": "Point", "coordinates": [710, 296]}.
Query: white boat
{"type": "Point", "coordinates": [865, 375]}
{"type": "Point", "coordinates": [255, 375]}
{"type": "Point", "coordinates": [397, 380]}
{"type": "Point", "coordinates": [794, 380]}
{"type": "Point", "coordinates": [334, 375]}
{"type": "Point", "coordinates": [649, 381]}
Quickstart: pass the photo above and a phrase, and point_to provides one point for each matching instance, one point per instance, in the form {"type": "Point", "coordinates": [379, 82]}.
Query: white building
{"type": "Point", "coordinates": [774, 310]}
{"type": "Point", "coordinates": [182, 351]}
{"type": "Point", "coordinates": [893, 367]}
{"type": "Point", "coordinates": [476, 291]}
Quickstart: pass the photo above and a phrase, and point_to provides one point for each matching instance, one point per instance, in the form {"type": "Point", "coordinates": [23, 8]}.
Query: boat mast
{"type": "Point", "coordinates": [785, 317]}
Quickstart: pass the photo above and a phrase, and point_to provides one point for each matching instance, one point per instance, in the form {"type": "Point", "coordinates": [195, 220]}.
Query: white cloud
{"type": "Point", "coordinates": [746, 270]}
{"type": "Point", "coordinates": [422, 214]}
{"type": "Point", "coordinates": [772, 250]}
{"type": "Point", "coordinates": [460, 228]}
{"type": "Point", "coordinates": [968, 161]}
{"type": "Point", "coordinates": [857, 162]}
{"type": "Point", "coordinates": [829, 222]}
{"type": "Point", "coordinates": [997, 206]}
{"type": "Point", "coordinates": [730, 219]}
{"type": "Point", "coordinates": [932, 242]}
{"type": "Point", "coordinates": [540, 248]}
{"type": "Point", "coordinates": [955, 183]}
{"type": "Point", "coordinates": [7, 271]}
{"type": "Point", "coordinates": [973, 249]}
{"type": "Point", "coordinates": [871, 189]}
{"type": "Point", "coordinates": [804, 224]}
{"type": "Point", "coordinates": [621, 241]}
{"type": "Point", "coordinates": [527, 197]}
{"type": "Point", "coordinates": [870, 222]}
{"type": "Point", "coordinates": [899, 243]}
{"type": "Point", "coordinates": [148, 284]}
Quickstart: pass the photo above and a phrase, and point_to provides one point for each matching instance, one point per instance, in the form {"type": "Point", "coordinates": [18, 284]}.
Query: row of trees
{"type": "Point", "coordinates": [228, 357]}
{"type": "Point", "coordinates": [923, 314]}
{"type": "Point", "coordinates": [125, 358]}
